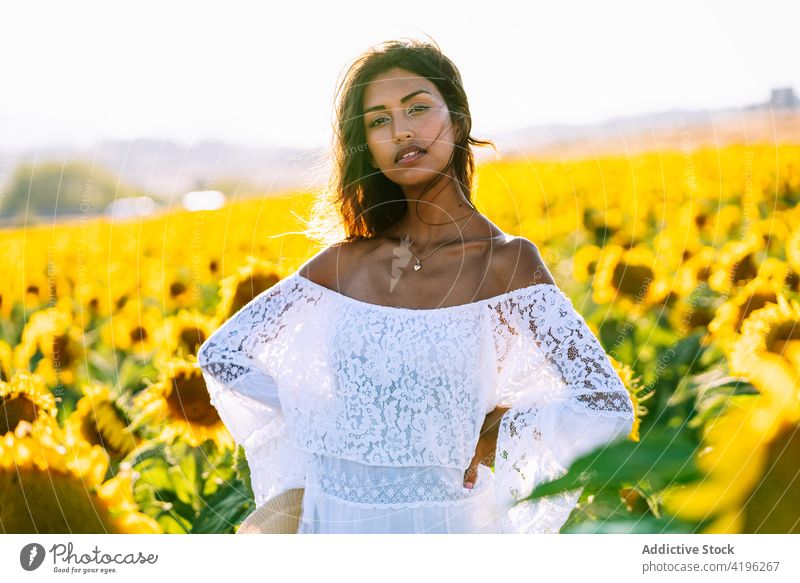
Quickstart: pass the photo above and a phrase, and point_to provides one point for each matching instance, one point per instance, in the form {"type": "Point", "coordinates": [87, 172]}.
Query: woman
{"type": "Point", "coordinates": [394, 368]}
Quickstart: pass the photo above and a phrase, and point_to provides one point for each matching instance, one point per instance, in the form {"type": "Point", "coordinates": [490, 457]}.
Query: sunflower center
{"type": "Point", "coordinates": [104, 428]}
{"type": "Point", "coordinates": [781, 333]}
{"type": "Point", "coordinates": [192, 338]}
{"type": "Point", "coordinates": [90, 432]}
{"type": "Point", "coordinates": [138, 334]}
{"type": "Point", "coordinates": [774, 505]}
{"type": "Point", "coordinates": [13, 410]}
{"type": "Point", "coordinates": [176, 288]}
{"type": "Point", "coordinates": [250, 287]}
{"type": "Point", "coordinates": [700, 317]}
{"type": "Point", "coordinates": [745, 269]}
{"type": "Point", "coordinates": [632, 280]}
{"type": "Point", "coordinates": [189, 400]}
{"type": "Point", "coordinates": [792, 280]}
{"type": "Point", "coordinates": [61, 350]}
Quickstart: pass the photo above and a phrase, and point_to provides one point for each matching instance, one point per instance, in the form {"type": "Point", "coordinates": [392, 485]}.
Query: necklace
{"type": "Point", "coordinates": [418, 262]}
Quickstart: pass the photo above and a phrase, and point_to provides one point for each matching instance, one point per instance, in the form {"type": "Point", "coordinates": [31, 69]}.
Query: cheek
{"type": "Point", "coordinates": [439, 132]}
{"type": "Point", "coordinates": [378, 144]}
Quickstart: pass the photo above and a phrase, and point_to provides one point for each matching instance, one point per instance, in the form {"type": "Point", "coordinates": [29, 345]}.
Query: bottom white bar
{"type": "Point", "coordinates": [387, 558]}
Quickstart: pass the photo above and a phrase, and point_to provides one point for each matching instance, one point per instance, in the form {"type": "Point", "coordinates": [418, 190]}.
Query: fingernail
{"type": "Point", "coordinates": [469, 485]}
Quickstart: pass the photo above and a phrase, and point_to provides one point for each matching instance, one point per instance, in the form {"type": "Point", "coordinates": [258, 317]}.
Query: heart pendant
{"type": "Point", "coordinates": [417, 266]}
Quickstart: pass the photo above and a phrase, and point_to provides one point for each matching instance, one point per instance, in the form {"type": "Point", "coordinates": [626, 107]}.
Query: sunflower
{"type": "Point", "coordinates": [239, 289]}
{"type": "Point", "coordinates": [182, 334]}
{"type": "Point", "coordinates": [35, 290]}
{"type": "Point", "coordinates": [52, 334]}
{"type": "Point", "coordinates": [93, 300]}
{"type": "Point", "coordinates": [212, 266]}
{"type": "Point", "coordinates": [678, 243]}
{"type": "Point", "coordinates": [724, 224]}
{"type": "Point", "coordinates": [121, 283]}
{"type": "Point", "coordinates": [737, 264]}
{"type": "Point", "coordinates": [731, 314]}
{"type": "Point", "coordinates": [602, 223]}
{"type": "Point", "coordinates": [772, 232]}
{"type": "Point", "coordinates": [99, 419]}
{"type": "Point", "coordinates": [781, 274]}
{"type": "Point", "coordinates": [696, 269]}
{"type": "Point", "coordinates": [6, 361]}
{"type": "Point", "coordinates": [693, 312]}
{"type": "Point", "coordinates": [749, 458]}
{"type": "Point", "coordinates": [174, 287]}
{"type": "Point", "coordinates": [633, 233]}
{"type": "Point", "coordinates": [132, 328]}
{"type": "Point", "coordinates": [699, 216]}
{"type": "Point", "coordinates": [179, 293]}
{"type": "Point", "coordinates": [180, 399]}
{"type": "Point", "coordinates": [47, 487]}
{"type": "Point", "coordinates": [629, 277]}
{"type": "Point", "coordinates": [6, 298]}
{"type": "Point", "coordinates": [635, 391]}
{"type": "Point", "coordinates": [585, 263]}
{"type": "Point", "coordinates": [26, 399]}
{"type": "Point", "coordinates": [793, 249]}
{"type": "Point", "coordinates": [766, 329]}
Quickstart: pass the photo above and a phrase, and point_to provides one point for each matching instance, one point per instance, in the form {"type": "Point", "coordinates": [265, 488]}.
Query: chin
{"type": "Point", "coordinates": [411, 176]}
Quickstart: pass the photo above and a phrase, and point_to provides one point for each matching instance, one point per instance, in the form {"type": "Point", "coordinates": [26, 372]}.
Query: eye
{"type": "Point", "coordinates": [417, 107]}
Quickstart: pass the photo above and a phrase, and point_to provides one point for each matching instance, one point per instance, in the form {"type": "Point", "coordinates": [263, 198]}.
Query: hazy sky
{"type": "Point", "coordinates": [265, 73]}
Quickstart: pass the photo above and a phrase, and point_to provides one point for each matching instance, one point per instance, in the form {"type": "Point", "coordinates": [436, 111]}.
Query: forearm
{"type": "Point", "coordinates": [489, 431]}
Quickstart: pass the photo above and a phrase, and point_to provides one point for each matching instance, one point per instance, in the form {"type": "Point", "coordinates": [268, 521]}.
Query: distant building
{"type": "Point", "coordinates": [129, 208]}
{"type": "Point", "coordinates": [784, 98]}
{"type": "Point", "coordinates": [203, 200]}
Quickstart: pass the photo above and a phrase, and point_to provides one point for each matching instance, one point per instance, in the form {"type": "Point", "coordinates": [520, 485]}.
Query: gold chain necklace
{"type": "Point", "coordinates": [418, 262]}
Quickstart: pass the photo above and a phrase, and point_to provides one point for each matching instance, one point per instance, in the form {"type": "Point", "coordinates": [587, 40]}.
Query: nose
{"type": "Point", "coordinates": [401, 135]}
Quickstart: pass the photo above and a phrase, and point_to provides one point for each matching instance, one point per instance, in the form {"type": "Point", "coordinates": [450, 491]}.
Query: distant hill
{"type": "Point", "coordinates": [776, 120]}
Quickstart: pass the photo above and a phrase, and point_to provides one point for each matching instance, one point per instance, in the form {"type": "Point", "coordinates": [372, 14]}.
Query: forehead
{"type": "Point", "coordinates": [390, 86]}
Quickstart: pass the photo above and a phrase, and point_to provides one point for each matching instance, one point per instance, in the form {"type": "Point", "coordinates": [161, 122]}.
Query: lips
{"type": "Point", "coordinates": [407, 150]}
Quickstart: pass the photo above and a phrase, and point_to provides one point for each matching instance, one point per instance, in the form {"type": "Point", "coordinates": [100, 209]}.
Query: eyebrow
{"type": "Point", "coordinates": [402, 100]}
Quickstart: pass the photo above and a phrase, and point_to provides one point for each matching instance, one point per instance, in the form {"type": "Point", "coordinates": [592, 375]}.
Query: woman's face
{"type": "Point", "coordinates": [401, 110]}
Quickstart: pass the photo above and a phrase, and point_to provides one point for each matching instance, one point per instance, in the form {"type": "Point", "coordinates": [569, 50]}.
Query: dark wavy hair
{"type": "Point", "coordinates": [366, 201]}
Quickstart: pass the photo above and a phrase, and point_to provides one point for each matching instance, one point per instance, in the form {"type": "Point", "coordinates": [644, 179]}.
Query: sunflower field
{"type": "Point", "coordinates": [686, 264]}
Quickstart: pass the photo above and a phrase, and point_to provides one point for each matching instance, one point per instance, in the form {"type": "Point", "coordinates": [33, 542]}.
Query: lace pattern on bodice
{"type": "Point", "coordinates": [403, 390]}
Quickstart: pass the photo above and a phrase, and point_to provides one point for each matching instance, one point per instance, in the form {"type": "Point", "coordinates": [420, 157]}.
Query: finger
{"type": "Point", "coordinates": [471, 475]}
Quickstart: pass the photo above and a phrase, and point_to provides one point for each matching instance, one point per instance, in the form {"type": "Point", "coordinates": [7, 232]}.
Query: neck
{"type": "Point", "coordinates": [436, 217]}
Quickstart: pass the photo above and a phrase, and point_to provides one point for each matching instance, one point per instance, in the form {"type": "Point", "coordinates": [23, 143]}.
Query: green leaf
{"type": "Point", "coordinates": [633, 525]}
{"type": "Point", "coordinates": [225, 510]}
{"type": "Point", "coordinates": [664, 456]}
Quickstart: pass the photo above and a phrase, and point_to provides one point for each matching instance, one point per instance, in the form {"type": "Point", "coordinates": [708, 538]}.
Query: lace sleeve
{"type": "Point", "coordinates": [566, 399]}
{"type": "Point", "coordinates": [237, 362]}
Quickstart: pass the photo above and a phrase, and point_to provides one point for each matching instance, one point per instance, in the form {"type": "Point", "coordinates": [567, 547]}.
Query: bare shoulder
{"type": "Point", "coordinates": [518, 264]}
{"type": "Point", "coordinates": [326, 266]}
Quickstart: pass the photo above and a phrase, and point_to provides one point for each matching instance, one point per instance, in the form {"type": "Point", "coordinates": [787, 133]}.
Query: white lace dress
{"type": "Point", "coordinates": [376, 410]}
